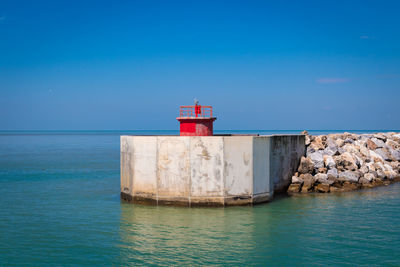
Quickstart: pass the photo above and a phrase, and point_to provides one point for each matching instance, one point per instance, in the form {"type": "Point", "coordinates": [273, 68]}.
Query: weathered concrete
{"type": "Point", "coordinates": [285, 155]}
{"type": "Point", "coordinates": [207, 170]}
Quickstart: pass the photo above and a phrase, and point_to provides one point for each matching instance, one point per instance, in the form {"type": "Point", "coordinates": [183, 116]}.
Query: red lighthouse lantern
{"type": "Point", "coordinates": [196, 120]}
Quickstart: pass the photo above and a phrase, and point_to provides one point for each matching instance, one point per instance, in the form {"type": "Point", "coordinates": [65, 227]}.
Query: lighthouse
{"type": "Point", "coordinates": [199, 168]}
{"type": "Point", "coordinates": [196, 120]}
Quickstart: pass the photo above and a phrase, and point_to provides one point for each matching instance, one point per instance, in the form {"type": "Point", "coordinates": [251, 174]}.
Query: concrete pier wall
{"type": "Point", "coordinates": [285, 155]}
{"type": "Point", "coordinates": [207, 170]}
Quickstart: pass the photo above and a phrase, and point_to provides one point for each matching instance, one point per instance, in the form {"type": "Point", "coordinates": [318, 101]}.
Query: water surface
{"type": "Point", "coordinates": [59, 205]}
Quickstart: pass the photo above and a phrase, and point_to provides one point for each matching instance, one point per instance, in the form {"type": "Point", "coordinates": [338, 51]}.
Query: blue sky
{"type": "Point", "coordinates": [129, 65]}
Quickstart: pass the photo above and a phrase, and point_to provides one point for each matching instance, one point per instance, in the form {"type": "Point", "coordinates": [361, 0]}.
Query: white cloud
{"type": "Point", "coordinates": [2, 18]}
{"type": "Point", "coordinates": [364, 37]}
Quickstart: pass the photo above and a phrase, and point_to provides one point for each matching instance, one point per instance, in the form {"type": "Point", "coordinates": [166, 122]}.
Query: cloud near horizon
{"type": "Point", "coordinates": [332, 80]}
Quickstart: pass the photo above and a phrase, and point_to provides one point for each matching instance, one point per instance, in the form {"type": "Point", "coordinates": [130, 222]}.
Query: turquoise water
{"type": "Point", "coordinates": [59, 205]}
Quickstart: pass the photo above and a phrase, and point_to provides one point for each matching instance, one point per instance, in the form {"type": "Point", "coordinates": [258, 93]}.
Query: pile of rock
{"type": "Point", "coordinates": [343, 162]}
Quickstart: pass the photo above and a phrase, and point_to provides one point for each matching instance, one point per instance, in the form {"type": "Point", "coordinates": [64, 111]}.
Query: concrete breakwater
{"type": "Point", "coordinates": [345, 162]}
{"type": "Point", "coordinates": [208, 170]}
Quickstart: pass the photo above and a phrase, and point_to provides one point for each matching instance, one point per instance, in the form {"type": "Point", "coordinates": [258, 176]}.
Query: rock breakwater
{"type": "Point", "coordinates": [345, 162]}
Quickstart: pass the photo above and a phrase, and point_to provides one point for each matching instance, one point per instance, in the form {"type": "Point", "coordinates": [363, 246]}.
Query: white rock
{"type": "Point", "coordinates": [381, 174]}
{"type": "Point", "coordinates": [297, 180]}
{"type": "Point", "coordinates": [387, 167]}
{"type": "Point", "coordinates": [375, 157]}
{"type": "Point", "coordinates": [395, 166]}
{"type": "Point", "coordinates": [310, 150]}
{"type": "Point", "coordinates": [383, 153]}
{"type": "Point", "coordinates": [330, 151]}
{"type": "Point", "coordinates": [332, 173]}
{"type": "Point", "coordinates": [379, 143]}
{"type": "Point", "coordinates": [346, 160]}
{"type": "Point", "coordinates": [329, 162]}
{"type": "Point", "coordinates": [380, 136]}
{"type": "Point", "coordinates": [371, 167]}
{"type": "Point", "coordinates": [389, 134]}
{"type": "Point", "coordinates": [317, 159]}
{"type": "Point", "coordinates": [379, 166]}
{"type": "Point", "coordinates": [339, 142]}
{"type": "Point", "coordinates": [359, 143]}
{"type": "Point", "coordinates": [395, 154]}
{"type": "Point", "coordinates": [380, 169]}
{"type": "Point", "coordinates": [364, 137]}
{"type": "Point", "coordinates": [350, 148]}
{"type": "Point", "coordinates": [322, 178]}
{"type": "Point", "coordinates": [390, 174]}
{"type": "Point", "coordinates": [317, 143]}
{"type": "Point", "coordinates": [364, 169]}
{"type": "Point", "coordinates": [330, 142]}
{"type": "Point", "coordinates": [348, 141]}
{"type": "Point", "coordinates": [369, 177]}
{"type": "Point", "coordinates": [392, 144]}
{"type": "Point", "coordinates": [358, 159]}
{"type": "Point", "coordinates": [364, 151]}
{"type": "Point", "coordinates": [307, 141]}
{"type": "Point", "coordinates": [349, 176]}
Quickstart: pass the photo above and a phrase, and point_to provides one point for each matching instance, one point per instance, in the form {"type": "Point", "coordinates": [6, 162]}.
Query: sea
{"type": "Point", "coordinates": [60, 206]}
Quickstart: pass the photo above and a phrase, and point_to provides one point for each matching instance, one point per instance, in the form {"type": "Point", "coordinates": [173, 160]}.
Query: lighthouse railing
{"type": "Point", "coordinates": [196, 111]}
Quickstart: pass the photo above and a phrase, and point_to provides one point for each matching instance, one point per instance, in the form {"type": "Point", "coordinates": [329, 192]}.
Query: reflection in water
{"type": "Point", "coordinates": [331, 229]}
{"type": "Point", "coordinates": [178, 235]}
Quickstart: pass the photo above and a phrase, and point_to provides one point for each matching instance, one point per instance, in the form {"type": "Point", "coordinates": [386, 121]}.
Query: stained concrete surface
{"type": "Point", "coordinates": [207, 170]}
